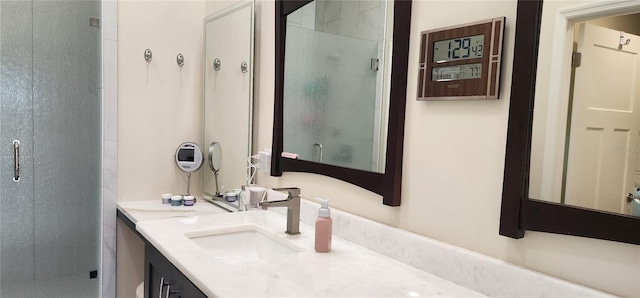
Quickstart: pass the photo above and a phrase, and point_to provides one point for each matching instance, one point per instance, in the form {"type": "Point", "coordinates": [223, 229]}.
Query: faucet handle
{"type": "Point", "coordinates": [293, 191]}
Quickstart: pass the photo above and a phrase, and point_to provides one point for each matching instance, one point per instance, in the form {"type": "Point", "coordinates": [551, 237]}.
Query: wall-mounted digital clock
{"type": "Point", "coordinates": [461, 62]}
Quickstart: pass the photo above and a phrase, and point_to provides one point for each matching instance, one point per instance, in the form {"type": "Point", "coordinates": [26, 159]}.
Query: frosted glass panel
{"type": "Point", "coordinates": [330, 97]}
{"type": "Point", "coordinates": [50, 80]}
{"type": "Point", "coordinates": [16, 201]}
{"type": "Point", "coordinates": [66, 57]}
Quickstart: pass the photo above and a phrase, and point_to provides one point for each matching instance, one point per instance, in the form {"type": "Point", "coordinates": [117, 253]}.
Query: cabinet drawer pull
{"type": "Point", "coordinates": [171, 292]}
{"type": "Point", "coordinates": [161, 287]}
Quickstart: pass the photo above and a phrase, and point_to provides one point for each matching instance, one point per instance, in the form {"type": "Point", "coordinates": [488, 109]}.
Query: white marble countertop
{"type": "Point", "coordinates": [154, 209]}
{"type": "Point", "coordinates": [348, 270]}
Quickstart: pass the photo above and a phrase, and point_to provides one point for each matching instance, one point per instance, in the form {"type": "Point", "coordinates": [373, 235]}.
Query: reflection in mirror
{"type": "Point", "coordinates": [386, 182]}
{"type": "Point", "coordinates": [586, 131]}
{"type": "Point", "coordinates": [336, 81]}
{"type": "Point", "coordinates": [228, 97]}
{"type": "Point", "coordinates": [215, 161]}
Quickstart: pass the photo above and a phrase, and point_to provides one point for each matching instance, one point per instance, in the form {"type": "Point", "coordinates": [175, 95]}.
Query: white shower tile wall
{"type": "Point", "coordinates": [109, 184]}
{"type": "Point", "coordinates": [110, 89]}
{"type": "Point", "coordinates": [109, 267]}
{"type": "Point", "coordinates": [304, 18]}
{"type": "Point", "coordinates": [110, 188]}
{"type": "Point", "coordinates": [360, 19]}
{"type": "Point", "coordinates": [489, 276]}
{"type": "Point", "coordinates": [332, 11]}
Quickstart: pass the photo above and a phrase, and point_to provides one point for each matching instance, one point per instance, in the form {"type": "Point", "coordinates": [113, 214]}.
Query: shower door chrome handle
{"type": "Point", "coordinates": [319, 146]}
{"type": "Point", "coordinates": [16, 160]}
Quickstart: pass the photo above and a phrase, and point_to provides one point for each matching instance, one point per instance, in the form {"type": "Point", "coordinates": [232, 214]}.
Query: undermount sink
{"type": "Point", "coordinates": [244, 243]}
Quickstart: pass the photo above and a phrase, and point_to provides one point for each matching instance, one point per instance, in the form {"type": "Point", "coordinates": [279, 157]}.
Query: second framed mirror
{"type": "Point", "coordinates": [340, 96]}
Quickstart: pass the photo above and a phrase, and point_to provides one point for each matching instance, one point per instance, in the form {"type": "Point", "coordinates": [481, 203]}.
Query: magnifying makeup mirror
{"type": "Point", "coordinates": [188, 159]}
{"type": "Point", "coordinates": [215, 161]}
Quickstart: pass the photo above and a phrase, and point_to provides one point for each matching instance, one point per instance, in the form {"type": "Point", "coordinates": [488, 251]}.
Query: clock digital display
{"type": "Point", "coordinates": [458, 72]}
{"type": "Point", "coordinates": [468, 47]}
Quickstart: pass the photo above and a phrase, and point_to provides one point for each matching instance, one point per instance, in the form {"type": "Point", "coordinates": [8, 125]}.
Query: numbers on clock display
{"type": "Point", "coordinates": [468, 47]}
{"type": "Point", "coordinates": [462, 48]}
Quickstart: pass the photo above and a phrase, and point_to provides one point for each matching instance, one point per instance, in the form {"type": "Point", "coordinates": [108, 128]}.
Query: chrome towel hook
{"type": "Point", "coordinates": [217, 64]}
{"type": "Point", "coordinates": [244, 67]}
{"type": "Point", "coordinates": [147, 55]}
{"type": "Point", "coordinates": [623, 41]}
{"type": "Point", "coordinates": [180, 59]}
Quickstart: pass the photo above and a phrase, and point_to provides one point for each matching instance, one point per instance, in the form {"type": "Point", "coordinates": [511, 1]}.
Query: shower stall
{"type": "Point", "coordinates": [50, 148]}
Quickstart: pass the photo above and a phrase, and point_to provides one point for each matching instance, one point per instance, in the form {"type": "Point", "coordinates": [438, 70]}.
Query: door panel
{"type": "Point", "coordinates": [16, 200]}
{"type": "Point", "coordinates": [605, 121]}
{"type": "Point", "coordinates": [66, 57]}
{"type": "Point", "coordinates": [50, 101]}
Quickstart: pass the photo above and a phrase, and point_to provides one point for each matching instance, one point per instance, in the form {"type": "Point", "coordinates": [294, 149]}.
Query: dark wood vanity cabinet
{"type": "Point", "coordinates": [162, 279]}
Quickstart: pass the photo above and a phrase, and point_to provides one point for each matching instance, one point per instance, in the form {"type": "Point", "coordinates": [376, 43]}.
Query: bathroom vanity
{"type": "Point", "coordinates": [377, 260]}
{"type": "Point", "coordinates": [285, 265]}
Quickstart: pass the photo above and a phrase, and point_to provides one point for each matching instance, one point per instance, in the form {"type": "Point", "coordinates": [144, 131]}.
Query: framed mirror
{"type": "Point", "coordinates": [340, 93]}
{"type": "Point", "coordinates": [228, 98]}
{"type": "Point", "coordinates": [569, 166]}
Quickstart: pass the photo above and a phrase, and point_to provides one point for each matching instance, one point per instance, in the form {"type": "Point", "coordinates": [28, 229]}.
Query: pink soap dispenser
{"type": "Point", "coordinates": [323, 227]}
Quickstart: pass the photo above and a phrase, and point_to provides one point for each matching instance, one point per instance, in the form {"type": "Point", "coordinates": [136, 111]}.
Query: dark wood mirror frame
{"type": "Point", "coordinates": [387, 184]}
{"type": "Point", "coordinates": [519, 212]}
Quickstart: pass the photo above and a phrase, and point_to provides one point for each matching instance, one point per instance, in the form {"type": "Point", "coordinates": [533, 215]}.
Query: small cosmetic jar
{"type": "Point", "coordinates": [189, 200]}
{"type": "Point", "coordinates": [230, 196]}
{"type": "Point", "coordinates": [176, 200]}
{"type": "Point", "coordinates": [166, 198]}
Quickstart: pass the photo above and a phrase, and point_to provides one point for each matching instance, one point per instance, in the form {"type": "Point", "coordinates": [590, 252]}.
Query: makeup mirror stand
{"type": "Point", "coordinates": [188, 183]}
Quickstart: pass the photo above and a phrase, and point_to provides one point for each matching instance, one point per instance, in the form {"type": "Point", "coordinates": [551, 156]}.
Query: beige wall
{"type": "Point", "coordinates": [159, 103]}
{"type": "Point", "coordinates": [159, 107]}
{"type": "Point", "coordinates": [454, 151]}
{"type": "Point", "coordinates": [130, 261]}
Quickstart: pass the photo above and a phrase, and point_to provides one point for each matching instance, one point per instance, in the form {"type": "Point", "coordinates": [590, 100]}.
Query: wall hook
{"type": "Point", "coordinates": [244, 67]}
{"type": "Point", "coordinates": [623, 41]}
{"type": "Point", "coordinates": [180, 59]}
{"type": "Point", "coordinates": [217, 64]}
{"type": "Point", "coordinates": [147, 55]}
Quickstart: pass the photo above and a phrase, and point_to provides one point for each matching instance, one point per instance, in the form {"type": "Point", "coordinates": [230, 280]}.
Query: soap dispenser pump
{"type": "Point", "coordinates": [323, 227]}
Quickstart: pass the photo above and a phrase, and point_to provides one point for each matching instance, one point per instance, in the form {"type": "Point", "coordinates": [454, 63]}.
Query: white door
{"type": "Point", "coordinates": [605, 121]}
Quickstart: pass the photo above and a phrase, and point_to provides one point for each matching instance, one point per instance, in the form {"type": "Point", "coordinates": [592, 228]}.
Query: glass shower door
{"type": "Point", "coordinates": [50, 104]}
{"type": "Point", "coordinates": [17, 238]}
{"type": "Point", "coordinates": [330, 98]}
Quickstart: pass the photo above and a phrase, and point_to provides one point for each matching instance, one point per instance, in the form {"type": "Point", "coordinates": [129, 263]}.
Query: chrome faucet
{"type": "Point", "coordinates": [292, 202]}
